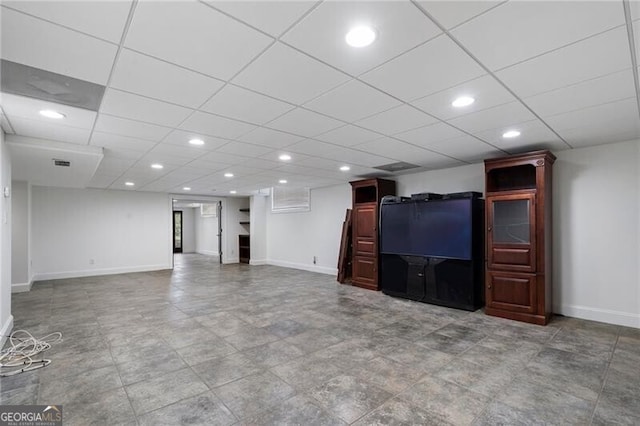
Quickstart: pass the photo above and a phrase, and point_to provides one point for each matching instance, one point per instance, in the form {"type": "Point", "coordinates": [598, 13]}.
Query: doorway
{"type": "Point", "coordinates": [177, 231]}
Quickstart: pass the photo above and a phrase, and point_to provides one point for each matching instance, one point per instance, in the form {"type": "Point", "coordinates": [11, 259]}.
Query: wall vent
{"type": "Point", "coordinates": [61, 163]}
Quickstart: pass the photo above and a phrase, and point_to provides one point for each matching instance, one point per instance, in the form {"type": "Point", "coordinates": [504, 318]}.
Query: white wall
{"type": "Point", "coordinates": [188, 229]}
{"type": "Point", "coordinates": [20, 234]}
{"type": "Point", "coordinates": [293, 239]}
{"type": "Point", "coordinates": [6, 319]}
{"type": "Point", "coordinates": [206, 233]}
{"type": "Point", "coordinates": [121, 231]}
{"type": "Point", "coordinates": [596, 228]}
{"type": "Point", "coordinates": [258, 218]}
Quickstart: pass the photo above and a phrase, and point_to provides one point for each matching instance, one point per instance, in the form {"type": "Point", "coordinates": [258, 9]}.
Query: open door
{"type": "Point", "coordinates": [177, 232]}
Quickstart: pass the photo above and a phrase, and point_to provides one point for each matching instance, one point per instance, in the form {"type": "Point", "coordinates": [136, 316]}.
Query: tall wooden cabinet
{"type": "Point", "coordinates": [518, 220]}
{"type": "Point", "coordinates": [366, 205]}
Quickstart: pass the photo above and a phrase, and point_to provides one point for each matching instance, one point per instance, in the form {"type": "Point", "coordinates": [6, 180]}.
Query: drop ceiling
{"type": "Point", "coordinates": [255, 80]}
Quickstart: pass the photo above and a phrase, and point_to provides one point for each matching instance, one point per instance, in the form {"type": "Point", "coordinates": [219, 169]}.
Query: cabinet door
{"type": "Point", "coordinates": [365, 271]}
{"type": "Point", "coordinates": [511, 232]}
{"type": "Point", "coordinates": [365, 230]}
{"type": "Point", "coordinates": [511, 291]}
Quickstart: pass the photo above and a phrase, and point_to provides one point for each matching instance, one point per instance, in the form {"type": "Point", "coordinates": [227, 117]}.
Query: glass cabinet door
{"type": "Point", "coordinates": [511, 232]}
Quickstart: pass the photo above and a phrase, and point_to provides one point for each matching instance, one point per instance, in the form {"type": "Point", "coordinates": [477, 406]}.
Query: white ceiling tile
{"type": "Point", "coordinates": [108, 140]}
{"type": "Point", "coordinates": [588, 93]}
{"type": "Point", "coordinates": [135, 129]}
{"type": "Point", "coordinates": [31, 41]}
{"type": "Point", "coordinates": [29, 108]}
{"type": "Point", "coordinates": [168, 162]}
{"type": "Point", "coordinates": [348, 135]}
{"type": "Point", "coordinates": [127, 105]}
{"type": "Point", "coordinates": [399, 26]}
{"type": "Point", "coordinates": [434, 132]}
{"type": "Point", "coordinates": [396, 120]}
{"type": "Point", "coordinates": [452, 13]}
{"type": "Point", "coordinates": [209, 124]}
{"type": "Point", "coordinates": [260, 163]}
{"type": "Point", "coordinates": [570, 64]}
{"type": "Point", "coordinates": [112, 165]}
{"type": "Point", "coordinates": [636, 33]}
{"type": "Point", "coordinates": [124, 153]}
{"type": "Point", "coordinates": [242, 104]}
{"type": "Point", "coordinates": [195, 36]}
{"type": "Point", "coordinates": [534, 135]}
{"type": "Point", "coordinates": [486, 91]}
{"type": "Point", "coordinates": [338, 153]}
{"type": "Point", "coordinates": [430, 68]}
{"type": "Point", "coordinates": [182, 138]}
{"type": "Point", "coordinates": [177, 151]}
{"type": "Point", "coordinates": [244, 149]}
{"type": "Point", "coordinates": [56, 132]}
{"type": "Point", "coordinates": [503, 116]}
{"type": "Point", "coordinates": [284, 73]}
{"type": "Point", "coordinates": [151, 77]}
{"type": "Point", "coordinates": [103, 19]}
{"type": "Point", "coordinates": [518, 30]}
{"type": "Point", "coordinates": [270, 138]}
{"type": "Point", "coordinates": [403, 151]}
{"type": "Point", "coordinates": [304, 123]}
{"type": "Point", "coordinates": [272, 17]}
{"type": "Point", "coordinates": [634, 6]}
{"type": "Point", "coordinates": [606, 123]}
{"type": "Point", "coordinates": [222, 158]}
{"type": "Point", "coordinates": [211, 166]}
{"type": "Point", "coordinates": [464, 148]}
{"type": "Point", "coordinates": [352, 101]}
{"type": "Point", "coordinates": [101, 180]}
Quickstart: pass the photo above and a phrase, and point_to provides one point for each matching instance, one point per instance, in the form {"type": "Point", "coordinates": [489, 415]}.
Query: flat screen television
{"type": "Point", "coordinates": [437, 228]}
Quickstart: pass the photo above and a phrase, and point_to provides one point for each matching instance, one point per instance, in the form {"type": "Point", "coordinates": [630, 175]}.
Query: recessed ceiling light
{"type": "Point", "coordinates": [196, 142]}
{"type": "Point", "coordinates": [228, 175]}
{"type": "Point", "coordinates": [282, 181]}
{"type": "Point", "coordinates": [345, 168]}
{"type": "Point", "coordinates": [129, 183]}
{"type": "Point", "coordinates": [175, 201]}
{"type": "Point", "coordinates": [52, 114]}
{"type": "Point", "coordinates": [463, 101]}
{"type": "Point", "coordinates": [360, 36]}
{"type": "Point", "coordinates": [232, 192]}
{"type": "Point", "coordinates": [285, 157]}
{"type": "Point", "coordinates": [511, 134]}
{"type": "Point", "coordinates": [157, 166]}
{"type": "Point", "coordinates": [186, 188]}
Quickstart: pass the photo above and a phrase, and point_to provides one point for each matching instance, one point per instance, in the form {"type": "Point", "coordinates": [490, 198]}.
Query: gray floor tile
{"type": "Point", "coordinates": [348, 397]}
{"type": "Point", "coordinates": [205, 351]}
{"type": "Point", "coordinates": [226, 369]}
{"type": "Point", "coordinates": [81, 388]}
{"type": "Point", "coordinates": [397, 413]}
{"type": "Point", "coordinates": [298, 410]}
{"type": "Point", "coordinates": [204, 409]}
{"type": "Point", "coordinates": [273, 354]}
{"type": "Point", "coordinates": [313, 340]}
{"type": "Point", "coordinates": [112, 408]}
{"type": "Point", "coordinates": [149, 367]}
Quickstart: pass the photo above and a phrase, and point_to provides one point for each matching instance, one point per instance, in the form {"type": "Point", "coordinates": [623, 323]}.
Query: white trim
{"type": "Point", "coordinates": [304, 267]}
{"type": "Point", "coordinates": [21, 287]}
{"type": "Point", "coordinates": [6, 330]}
{"type": "Point", "coordinates": [257, 262]}
{"type": "Point", "coordinates": [95, 272]}
{"type": "Point", "coordinates": [208, 252]}
{"type": "Point", "coordinates": [231, 260]}
{"type": "Point", "coordinates": [627, 319]}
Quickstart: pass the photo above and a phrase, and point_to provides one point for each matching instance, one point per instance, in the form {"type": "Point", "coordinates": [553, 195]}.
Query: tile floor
{"type": "Point", "coordinates": [238, 344]}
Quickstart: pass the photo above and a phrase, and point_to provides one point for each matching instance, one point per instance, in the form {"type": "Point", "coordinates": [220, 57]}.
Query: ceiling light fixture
{"type": "Point", "coordinates": [282, 181]}
{"type": "Point", "coordinates": [345, 168]}
{"type": "Point", "coordinates": [360, 36]}
{"type": "Point", "coordinates": [228, 175]}
{"type": "Point", "coordinates": [157, 166]}
{"type": "Point", "coordinates": [233, 192]}
{"type": "Point", "coordinates": [511, 134]}
{"type": "Point", "coordinates": [129, 183]}
{"type": "Point", "coordinates": [285, 157]}
{"type": "Point", "coordinates": [186, 188]}
{"type": "Point", "coordinates": [52, 114]}
{"type": "Point", "coordinates": [196, 142]}
{"type": "Point", "coordinates": [463, 101]}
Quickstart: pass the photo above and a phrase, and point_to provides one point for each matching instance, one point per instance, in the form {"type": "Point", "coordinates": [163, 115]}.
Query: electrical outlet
{"type": "Point", "coordinates": [92, 261]}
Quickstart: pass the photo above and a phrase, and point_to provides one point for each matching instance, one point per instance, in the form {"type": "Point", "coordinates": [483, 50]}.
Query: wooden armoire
{"type": "Point", "coordinates": [518, 238]}
{"type": "Point", "coordinates": [365, 216]}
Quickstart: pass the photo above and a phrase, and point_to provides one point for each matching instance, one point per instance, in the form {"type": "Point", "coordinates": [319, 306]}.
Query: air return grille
{"type": "Point", "coordinates": [61, 163]}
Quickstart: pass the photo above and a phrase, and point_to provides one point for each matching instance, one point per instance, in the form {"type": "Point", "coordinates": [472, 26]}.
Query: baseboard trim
{"type": "Point", "coordinates": [21, 287]}
{"type": "Point", "coordinates": [95, 272]}
{"type": "Point", "coordinates": [6, 330]}
{"type": "Point", "coordinates": [232, 260]}
{"type": "Point", "coordinates": [257, 262]}
{"type": "Point", "coordinates": [304, 267]}
{"type": "Point", "coordinates": [626, 319]}
{"type": "Point", "coordinates": [208, 252]}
